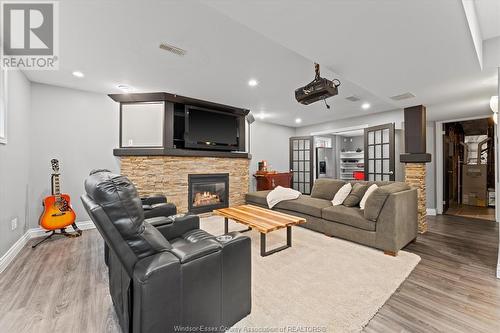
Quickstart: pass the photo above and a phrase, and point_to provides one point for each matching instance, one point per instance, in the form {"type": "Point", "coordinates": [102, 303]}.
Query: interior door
{"type": "Point", "coordinates": [301, 163]}
{"type": "Point", "coordinates": [379, 152]}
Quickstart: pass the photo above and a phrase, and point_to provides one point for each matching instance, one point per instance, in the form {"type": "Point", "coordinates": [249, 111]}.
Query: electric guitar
{"type": "Point", "coordinates": [57, 212]}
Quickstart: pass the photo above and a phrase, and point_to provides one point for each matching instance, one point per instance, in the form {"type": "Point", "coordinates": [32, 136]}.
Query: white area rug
{"type": "Point", "coordinates": [319, 283]}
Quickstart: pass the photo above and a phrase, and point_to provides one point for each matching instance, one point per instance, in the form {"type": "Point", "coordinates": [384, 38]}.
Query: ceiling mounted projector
{"type": "Point", "coordinates": [319, 89]}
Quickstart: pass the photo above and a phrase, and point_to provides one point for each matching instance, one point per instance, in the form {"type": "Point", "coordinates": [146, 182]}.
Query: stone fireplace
{"type": "Point", "coordinates": [170, 175]}
{"type": "Point", "coordinates": [207, 192]}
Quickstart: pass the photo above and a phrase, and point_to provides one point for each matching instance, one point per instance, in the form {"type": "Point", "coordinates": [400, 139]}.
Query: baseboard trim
{"type": "Point", "coordinates": [14, 250]}
{"type": "Point", "coordinates": [39, 232]}
{"type": "Point", "coordinates": [431, 211]}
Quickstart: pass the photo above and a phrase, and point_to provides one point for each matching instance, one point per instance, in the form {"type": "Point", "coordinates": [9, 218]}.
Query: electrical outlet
{"type": "Point", "coordinates": [13, 223]}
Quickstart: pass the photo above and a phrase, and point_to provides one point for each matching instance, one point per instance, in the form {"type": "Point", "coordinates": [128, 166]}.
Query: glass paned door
{"type": "Point", "coordinates": [301, 163]}
{"type": "Point", "coordinates": [379, 152]}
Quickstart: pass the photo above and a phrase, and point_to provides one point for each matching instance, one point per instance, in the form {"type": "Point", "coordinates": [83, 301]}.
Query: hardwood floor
{"type": "Point", "coordinates": [62, 285]}
{"type": "Point", "coordinates": [453, 288]}
{"type": "Point", "coordinates": [475, 212]}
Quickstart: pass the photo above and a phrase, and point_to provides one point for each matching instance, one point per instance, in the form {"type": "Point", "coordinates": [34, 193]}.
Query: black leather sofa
{"type": "Point", "coordinates": [156, 205]}
{"type": "Point", "coordinates": [170, 275]}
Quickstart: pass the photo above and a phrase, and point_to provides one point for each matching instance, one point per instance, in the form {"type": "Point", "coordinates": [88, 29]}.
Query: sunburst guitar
{"type": "Point", "coordinates": [57, 211]}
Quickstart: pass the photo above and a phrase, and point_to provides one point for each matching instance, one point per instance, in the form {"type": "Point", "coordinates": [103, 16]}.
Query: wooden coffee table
{"type": "Point", "coordinates": [263, 220]}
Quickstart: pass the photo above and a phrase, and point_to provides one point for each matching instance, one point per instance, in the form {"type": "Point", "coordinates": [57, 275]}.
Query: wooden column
{"type": "Point", "coordinates": [415, 177]}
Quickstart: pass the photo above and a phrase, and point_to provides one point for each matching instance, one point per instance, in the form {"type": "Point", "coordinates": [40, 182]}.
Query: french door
{"type": "Point", "coordinates": [379, 152]}
{"type": "Point", "coordinates": [301, 163]}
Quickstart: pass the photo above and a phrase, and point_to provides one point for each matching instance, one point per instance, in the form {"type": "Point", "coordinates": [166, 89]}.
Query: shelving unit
{"type": "Point", "coordinates": [351, 161]}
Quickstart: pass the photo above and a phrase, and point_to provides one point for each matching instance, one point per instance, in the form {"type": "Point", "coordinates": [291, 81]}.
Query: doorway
{"type": "Point", "coordinates": [469, 169]}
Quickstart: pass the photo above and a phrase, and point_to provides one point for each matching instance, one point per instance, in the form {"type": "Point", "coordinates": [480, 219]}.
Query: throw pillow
{"type": "Point", "coordinates": [377, 199]}
{"type": "Point", "coordinates": [357, 193]}
{"type": "Point", "coordinates": [340, 196]}
{"type": "Point", "coordinates": [326, 188]}
{"type": "Point", "coordinates": [366, 195]}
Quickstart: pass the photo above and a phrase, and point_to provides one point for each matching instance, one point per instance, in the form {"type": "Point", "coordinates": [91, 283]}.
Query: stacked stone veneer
{"type": "Point", "coordinates": [168, 175]}
{"type": "Point", "coordinates": [415, 177]}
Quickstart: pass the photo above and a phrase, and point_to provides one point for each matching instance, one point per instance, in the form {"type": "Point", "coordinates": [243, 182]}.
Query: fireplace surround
{"type": "Point", "coordinates": [207, 192]}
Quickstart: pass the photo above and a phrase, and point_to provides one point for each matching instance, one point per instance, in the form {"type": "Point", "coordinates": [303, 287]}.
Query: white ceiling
{"type": "Point", "coordinates": [377, 49]}
{"type": "Point", "coordinates": [488, 12]}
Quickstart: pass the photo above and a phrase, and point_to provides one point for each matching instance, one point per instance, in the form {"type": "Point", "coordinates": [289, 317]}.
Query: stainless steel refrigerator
{"type": "Point", "coordinates": [325, 163]}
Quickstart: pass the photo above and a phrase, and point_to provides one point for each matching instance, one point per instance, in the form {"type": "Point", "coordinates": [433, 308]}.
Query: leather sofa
{"type": "Point", "coordinates": [155, 208]}
{"type": "Point", "coordinates": [394, 228]}
{"type": "Point", "coordinates": [168, 275]}
{"type": "Point", "coordinates": [156, 205]}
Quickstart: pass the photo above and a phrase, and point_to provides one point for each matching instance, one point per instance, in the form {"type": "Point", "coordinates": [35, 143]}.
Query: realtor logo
{"type": "Point", "coordinates": [30, 35]}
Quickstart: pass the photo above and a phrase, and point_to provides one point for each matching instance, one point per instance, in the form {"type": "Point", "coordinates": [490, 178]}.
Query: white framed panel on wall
{"type": "Point", "coordinates": [3, 106]}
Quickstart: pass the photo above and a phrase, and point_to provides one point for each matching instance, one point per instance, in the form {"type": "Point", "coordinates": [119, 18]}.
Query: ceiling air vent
{"type": "Point", "coordinates": [353, 98]}
{"type": "Point", "coordinates": [173, 49]}
{"type": "Point", "coordinates": [402, 96]}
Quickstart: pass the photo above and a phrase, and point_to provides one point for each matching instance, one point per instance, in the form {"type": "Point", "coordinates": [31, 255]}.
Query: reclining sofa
{"type": "Point", "coordinates": [168, 275]}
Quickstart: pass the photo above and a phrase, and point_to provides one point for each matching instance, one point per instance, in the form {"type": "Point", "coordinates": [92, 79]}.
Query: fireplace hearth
{"type": "Point", "coordinates": [207, 192]}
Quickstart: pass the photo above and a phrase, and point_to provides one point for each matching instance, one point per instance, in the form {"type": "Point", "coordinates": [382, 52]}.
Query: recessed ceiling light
{"type": "Point", "coordinates": [253, 82]}
{"type": "Point", "coordinates": [365, 106]}
{"type": "Point", "coordinates": [124, 87]}
{"type": "Point", "coordinates": [78, 74]}
{"type": "Point", "coordinates": [298, 120]}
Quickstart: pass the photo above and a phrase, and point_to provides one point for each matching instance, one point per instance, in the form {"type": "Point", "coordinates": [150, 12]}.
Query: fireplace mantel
{"type": "Point", "coordinates": [178, 152]}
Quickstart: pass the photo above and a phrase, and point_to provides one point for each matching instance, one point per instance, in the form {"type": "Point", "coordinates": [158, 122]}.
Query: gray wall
{"type": "Point", "coordinates": [269, 142]}
{"type": "Point", "coordinates": [396, 117]}
{"type": "Point", "coordinates": [14, 161]}
{"type": "Point", "coordinates": [430, 178]}
{"type": "Point", "coordinates": [80, 129]}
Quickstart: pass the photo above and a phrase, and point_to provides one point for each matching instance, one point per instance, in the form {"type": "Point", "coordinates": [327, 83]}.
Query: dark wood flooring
{"type": "Point", "coordinates": [62, 285]}
{"type": "Point", "coordinates": [453, 288]}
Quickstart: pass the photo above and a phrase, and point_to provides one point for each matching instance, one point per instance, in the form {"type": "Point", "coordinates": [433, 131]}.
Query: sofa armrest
{"type": "Point", "coordinates": [179, 226]}
{"type": "Point", "coordinates": [397, 223]}
{"type": "Point", "coordinates": [191, 251]}
{"type": "Point", "coordinates": [154, 199]}
{"type": "Point", "coordinates": [157, 293]}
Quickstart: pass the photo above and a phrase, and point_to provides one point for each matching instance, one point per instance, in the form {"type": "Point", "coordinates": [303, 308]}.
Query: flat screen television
{"type": "Point", "coordinates": [209, 129]}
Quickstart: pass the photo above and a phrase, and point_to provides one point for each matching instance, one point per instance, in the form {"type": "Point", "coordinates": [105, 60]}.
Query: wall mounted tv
{"type": "Point", "coordinates": [210, 129]}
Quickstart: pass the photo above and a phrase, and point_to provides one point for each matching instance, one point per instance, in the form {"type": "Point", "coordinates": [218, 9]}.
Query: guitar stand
{"type": "Point", "coordinates": [61, 233]}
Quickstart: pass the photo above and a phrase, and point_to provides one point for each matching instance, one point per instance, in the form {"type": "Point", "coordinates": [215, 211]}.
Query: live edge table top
{"type": "Point", "coordinates": [261, 219]}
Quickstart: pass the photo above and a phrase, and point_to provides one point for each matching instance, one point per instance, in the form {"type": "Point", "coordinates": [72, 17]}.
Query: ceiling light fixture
{"type": "Point", "coordinates": [494, 107]}
{"type": "Point", "coordinates": [78, 74]}
{"type": "Point", "coordinates": [298, 120]}
{"type": "Point", "coordinates": [261, 115]}
{"type": "Point", "coordinates": [365, 106]}
{"type": "Point", "coordinates": [494, 104]}
{"type": "Point", "coordinates": [253, 82]}
{"type": "Point", "coordinates": [124, 87]}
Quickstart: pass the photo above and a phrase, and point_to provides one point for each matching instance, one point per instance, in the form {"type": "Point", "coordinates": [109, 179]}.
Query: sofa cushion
{"type": "Point", "coordinates": [342, 194]}
{"type": "Point", "coordinates": [377, 199]}
{"type": "Point", "coordinates": [305, 205]}
{"type": "Point", "coordinates": [258, 198]}
{"type": "Point", "coordinates": [357, 192]}
{"type": "Point", "coordinates": [351, 216]}
{"type": "Point", "coordinates": [326, 188]}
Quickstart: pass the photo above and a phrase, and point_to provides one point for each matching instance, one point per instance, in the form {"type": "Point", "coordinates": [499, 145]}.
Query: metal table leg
{"type": "Point", "coordinates": [265, 253]}
{"type": "Point", "coordinates": [226, 226]}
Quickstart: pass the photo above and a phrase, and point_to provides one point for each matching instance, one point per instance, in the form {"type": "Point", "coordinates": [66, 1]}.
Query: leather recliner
{"type": "Point", "coordinates": [171, 276]}
{"type": "Point", "coordinates": [156, 205]}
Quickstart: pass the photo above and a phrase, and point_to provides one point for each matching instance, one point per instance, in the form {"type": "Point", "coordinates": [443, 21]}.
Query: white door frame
{"type": "Point", "coordinates": [439, 163]}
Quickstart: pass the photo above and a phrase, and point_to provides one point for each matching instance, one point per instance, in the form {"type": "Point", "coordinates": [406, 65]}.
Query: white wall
{"type": "Point", "coordinates": [14, 161]}
{"type": "Point", "coordinates": [80, 129]}
{"type": "Point", "coordinates": [269, 142]}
